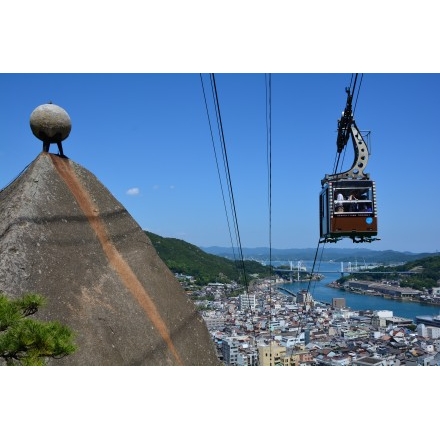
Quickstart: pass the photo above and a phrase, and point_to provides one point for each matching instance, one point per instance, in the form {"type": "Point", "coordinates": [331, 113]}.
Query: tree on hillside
{"type": "Point", "coordinates": [26, 341]}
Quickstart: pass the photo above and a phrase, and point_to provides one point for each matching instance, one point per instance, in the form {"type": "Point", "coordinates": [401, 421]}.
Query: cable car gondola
{"type": "Point", "coordinates": [347, 202]}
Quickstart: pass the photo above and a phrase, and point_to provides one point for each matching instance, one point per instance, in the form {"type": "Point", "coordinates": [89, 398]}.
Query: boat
{"type": "Point", "coordinates": [429, 320]}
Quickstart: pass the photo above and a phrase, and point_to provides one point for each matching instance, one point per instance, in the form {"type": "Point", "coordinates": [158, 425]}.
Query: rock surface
{"type": "Point", "coordinates": [64, 235]}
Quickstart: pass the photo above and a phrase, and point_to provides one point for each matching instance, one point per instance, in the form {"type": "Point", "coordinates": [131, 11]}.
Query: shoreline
{"type": "Point", "coordinates": [335, 285]}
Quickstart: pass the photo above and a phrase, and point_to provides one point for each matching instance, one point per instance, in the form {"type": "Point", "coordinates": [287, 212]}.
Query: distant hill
{"type": "Point", "coordinates": [261, 254]}
{"type": "Point", "coordinates": [425, 273]}
{"type": "Point", "coordinates": [185, 258]}
{"type": "Point", "coordinates": [206, 266]}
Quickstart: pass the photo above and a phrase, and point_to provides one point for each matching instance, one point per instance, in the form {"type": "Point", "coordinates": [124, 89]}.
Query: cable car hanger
{"type": "Point", "coordinates": [347, 128]}
{"type": "Point", "coordinates": [348, 207]}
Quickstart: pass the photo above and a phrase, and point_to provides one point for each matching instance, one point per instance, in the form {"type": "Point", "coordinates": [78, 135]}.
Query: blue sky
{"type": "Point", "coordinates": [129, 79]}
{"type": "Point", "coordinates": [147, 139]}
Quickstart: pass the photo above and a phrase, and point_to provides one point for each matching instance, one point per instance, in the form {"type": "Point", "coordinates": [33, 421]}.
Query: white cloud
{"type": "Point", "coordinates": [133, 191]}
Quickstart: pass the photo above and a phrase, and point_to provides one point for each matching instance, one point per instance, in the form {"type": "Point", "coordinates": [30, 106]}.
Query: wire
{"type": "Point", "coordinates": [268, 80]}
{"type": "Point", "coordinates": [16, 177]}
{"type": "Point", "coordinates": [351, 91]}
{"type": "Point", "coordinates": [229, 181]}
{"type": "Point", "coordinates": [218, 169]}
{"type": "Point", "coordinates": [238, 262]}
{"type": "Point", "coordinates": [269, 155]}
{"type": "Point", "coordinates": [358, 91]}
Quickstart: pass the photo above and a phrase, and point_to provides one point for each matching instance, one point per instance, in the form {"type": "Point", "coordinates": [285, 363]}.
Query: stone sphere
{"type": "Point", "coordinates": [50, 123]}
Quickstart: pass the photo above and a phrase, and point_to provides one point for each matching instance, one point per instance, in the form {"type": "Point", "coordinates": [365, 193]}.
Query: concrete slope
{"type": "Point", "coordinates": [64, 235]}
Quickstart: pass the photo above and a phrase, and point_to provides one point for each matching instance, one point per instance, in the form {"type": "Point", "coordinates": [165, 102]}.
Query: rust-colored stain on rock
{"type": "Point", "coordinates": [115, 259]}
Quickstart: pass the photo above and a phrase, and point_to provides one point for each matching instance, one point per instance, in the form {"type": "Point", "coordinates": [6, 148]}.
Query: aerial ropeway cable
{"type": "Point", "coordinates": [347, 202]}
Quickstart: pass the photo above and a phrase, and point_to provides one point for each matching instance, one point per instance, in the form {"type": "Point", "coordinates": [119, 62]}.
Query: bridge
{"type": "Point", "coordinates": [349, 270]}
{"type": "Point", "coordinates": [345, 271]}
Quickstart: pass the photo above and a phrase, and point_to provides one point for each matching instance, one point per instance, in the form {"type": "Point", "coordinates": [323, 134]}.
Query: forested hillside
{"type": "Point", "coordinates": [425, 273]}
{"type": "Point", "coordinates": [185, 258]}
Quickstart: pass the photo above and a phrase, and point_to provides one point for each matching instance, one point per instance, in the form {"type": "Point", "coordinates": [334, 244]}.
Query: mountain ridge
{"type": "Point", "coordinates": [185, 258]}
{"type": "Point", "coordinates": [342, 254]}
{"type": "Point", "coordinates": [189, 260]}
{"type": "Point", "coordinates": [215, 263]}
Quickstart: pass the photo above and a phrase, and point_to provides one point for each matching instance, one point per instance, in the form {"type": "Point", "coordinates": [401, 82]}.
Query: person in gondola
{"type": "Point", "coordinates": [339, 205]}
{"type": "Point", "coordinates": [353, 207]}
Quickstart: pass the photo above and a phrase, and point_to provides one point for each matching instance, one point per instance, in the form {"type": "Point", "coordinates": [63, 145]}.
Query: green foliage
{"type": "Point", "coordinates": [425, 273]}
{"type": "Point", "coordinates": [26, 341]}
{"type": "Point", "coordinates": [185, 258]}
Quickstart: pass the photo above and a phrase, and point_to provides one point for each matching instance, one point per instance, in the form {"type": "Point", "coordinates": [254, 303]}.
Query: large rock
{"type": "Point", "coordinates": [64, 235]}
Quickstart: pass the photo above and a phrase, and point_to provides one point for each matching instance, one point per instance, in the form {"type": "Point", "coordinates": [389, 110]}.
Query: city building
{"type": "Point", "coordinates": [248, 301]}
{"type": "Point", "coordinates": [279, 332]}
{"type": "Point", "coordinates": [229, 349]}
{"type": "Point", "coordinates": [338, 303]}
{"type": "Point", "coordinates": [271, 355]}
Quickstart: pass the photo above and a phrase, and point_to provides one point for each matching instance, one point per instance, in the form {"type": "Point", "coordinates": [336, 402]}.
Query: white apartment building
{"type": "Point", "coordinates": [433, 332]}
{"type": "Point", "coordinates": [290, 341]}
{"type": "Point", "coordinates": [248, 301]}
